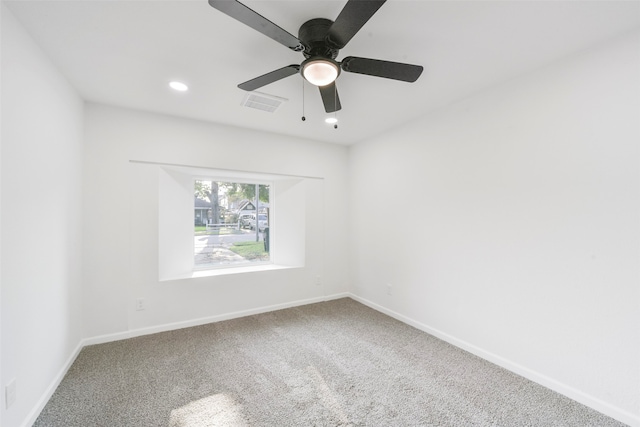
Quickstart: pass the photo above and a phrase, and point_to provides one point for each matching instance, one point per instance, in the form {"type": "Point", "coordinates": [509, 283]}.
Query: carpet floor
{"type": "Point", "coordinates": [336, 363]}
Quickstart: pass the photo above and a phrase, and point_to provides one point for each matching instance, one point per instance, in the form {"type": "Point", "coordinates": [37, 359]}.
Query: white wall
{"type": "Point", "coordinates": [513, 225]}
{"type": "Point", "coordinates": [518, 212]}
{"type": "Point", "coordinates": [41, 221]}
{"type": "Point", "coordinates": [121, 202]}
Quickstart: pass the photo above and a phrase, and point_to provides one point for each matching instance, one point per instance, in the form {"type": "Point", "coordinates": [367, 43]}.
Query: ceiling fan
{"type": "Point", "coordinates": [320, 40]}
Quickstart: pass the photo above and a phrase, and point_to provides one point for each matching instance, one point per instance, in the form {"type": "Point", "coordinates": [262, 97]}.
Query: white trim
{"type": "Point", "coordinates": [35, 412]}
{"type": "Point", "coordinates": [572, 393]}
{"type": "Point", "coordinates": [204, 320]}
{"type": "Point", "coordinates": [208, 170]}
{"type": "Point", "coordinates": [553, 384]}
{"type": "Point", "coordinates": [42, 402]}
{"type": "Point", "coordinates": [228, 269]}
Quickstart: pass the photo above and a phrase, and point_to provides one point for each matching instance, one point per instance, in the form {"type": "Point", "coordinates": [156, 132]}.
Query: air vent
{"type": "Point", "coordinates": [262, 101]}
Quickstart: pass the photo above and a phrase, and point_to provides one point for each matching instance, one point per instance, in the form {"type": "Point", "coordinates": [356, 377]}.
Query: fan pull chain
{"type": "Point", "coordinates": [303, 117]}
{"type": "Point", "coordinates": [335, 105]}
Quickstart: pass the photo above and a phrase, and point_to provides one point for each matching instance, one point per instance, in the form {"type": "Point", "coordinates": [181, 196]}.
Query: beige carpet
{"type": "Point", "coordinates": [337, 363]}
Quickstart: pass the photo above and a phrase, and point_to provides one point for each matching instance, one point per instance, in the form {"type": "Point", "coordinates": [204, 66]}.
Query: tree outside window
{"type": "Point", "coordinates": [231, 225]}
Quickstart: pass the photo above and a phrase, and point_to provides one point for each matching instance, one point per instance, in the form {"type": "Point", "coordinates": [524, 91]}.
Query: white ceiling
{"type": "Point", "coordinates": [124, 53]}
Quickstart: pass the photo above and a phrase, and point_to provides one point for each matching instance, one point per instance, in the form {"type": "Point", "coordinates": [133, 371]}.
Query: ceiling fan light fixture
{"type": "Point", "coordinates": [331, 120]}
{"type": "Point", "coordinates": [320, 71]}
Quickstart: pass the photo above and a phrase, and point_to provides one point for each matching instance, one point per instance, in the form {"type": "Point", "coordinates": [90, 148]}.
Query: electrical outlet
{"type": "Point", "coordinates": [140, 304]}
{"type": "Point", "coordinates": [10, 393]}
{"type": "Point", "coordinates": [389, 288]}
{"type": "Point", "coordinates": [318, 280]}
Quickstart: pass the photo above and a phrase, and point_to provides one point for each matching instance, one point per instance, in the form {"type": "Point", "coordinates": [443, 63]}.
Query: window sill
{"type": "Point", "coordinates": [227, 271]}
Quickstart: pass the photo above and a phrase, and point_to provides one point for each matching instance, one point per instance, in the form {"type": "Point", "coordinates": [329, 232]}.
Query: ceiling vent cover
{"type": "Point", "coordinates": [262, 101]}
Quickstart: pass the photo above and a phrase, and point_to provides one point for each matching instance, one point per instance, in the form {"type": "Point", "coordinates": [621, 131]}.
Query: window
{"type": "Point", "coordinates": [231, 223]}
{"type": "Point", "coordinates": [289, 207]}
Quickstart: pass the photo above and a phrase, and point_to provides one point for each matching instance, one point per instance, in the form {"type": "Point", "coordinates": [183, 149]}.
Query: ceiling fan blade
{"type": "Point", "coordinates": [353, 16]}
{"type": "Point", "coordinates": [378, 68]}
{"type": "Point", "coordinates": [249, 17]}
{"type": "Point", "coordinates": [330, 97]}
{"type": "Point", "coordinates": [271, 77]}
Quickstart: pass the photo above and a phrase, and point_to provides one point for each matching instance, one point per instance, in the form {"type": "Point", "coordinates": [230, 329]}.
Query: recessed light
{"type": "Point", "coordinates": [179, 86]}
{"type": "Point", "coordinates": [331, 120]}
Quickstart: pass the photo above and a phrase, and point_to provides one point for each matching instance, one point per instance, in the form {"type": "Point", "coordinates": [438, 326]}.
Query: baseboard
{"type": "Point", "coordinates": [35, 412]}
{"type": "Point", "coordinates": [204, 320]}
{"type": "Point", "coordinates": [566, 390]}
{"type": "Point", "coordinates": [577, 395]}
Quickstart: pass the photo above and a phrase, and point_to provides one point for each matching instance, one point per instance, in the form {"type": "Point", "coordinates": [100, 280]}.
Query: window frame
{"type": "Point", "coordinates": [262, 182]}
{"type": "Point", "coordinates": [297, 200]}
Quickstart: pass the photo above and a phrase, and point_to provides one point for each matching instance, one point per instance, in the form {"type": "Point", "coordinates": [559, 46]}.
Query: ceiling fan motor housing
{"type": "Point", "coordinates": [313, 35]}
{"type": "Point", "coordinates": [320, 40]}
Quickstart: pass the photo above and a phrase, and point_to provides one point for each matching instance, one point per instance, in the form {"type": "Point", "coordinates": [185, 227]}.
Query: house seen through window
{"type": "Point", "coordinates": [231, 223]}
